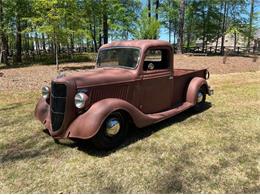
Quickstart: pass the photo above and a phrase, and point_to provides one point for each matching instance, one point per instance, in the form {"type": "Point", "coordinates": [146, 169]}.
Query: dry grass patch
{"type": "Point", "coordinates": [215, 151]}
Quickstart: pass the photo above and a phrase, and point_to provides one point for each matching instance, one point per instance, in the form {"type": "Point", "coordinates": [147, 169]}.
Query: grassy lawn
{"type": "Point", "coordinates": [215, 151]}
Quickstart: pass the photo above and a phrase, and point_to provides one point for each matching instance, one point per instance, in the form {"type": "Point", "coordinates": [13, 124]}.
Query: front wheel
{"type": "Point", "coordinates": [112, 133]}
{"type": "Point", "coordinates": [200, 100]}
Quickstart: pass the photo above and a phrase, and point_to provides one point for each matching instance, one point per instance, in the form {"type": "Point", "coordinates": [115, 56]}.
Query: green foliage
{"type": "Point", "coordinates": [207, 19]}
{"type": "Point", "coordinates": [146, 27]}
{"type": "Point", "coordinates": [122, 16]}
{"type": "Point", "coordinates": [49, 17]}
{"type": "Point", "coordinates": [169, 13]}
{"type": "Point", "coordinates": [70, 24]}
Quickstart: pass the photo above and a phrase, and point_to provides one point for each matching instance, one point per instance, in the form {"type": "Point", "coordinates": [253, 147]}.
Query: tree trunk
{"type": "Point", "coordinates": [206, 45]}
{"type": "Point", "coordinates": [250, 24]}
{"type": "Point", "coordinates": [1, 51]}
{"type": "Point", "coordinates": [149, 8]}
{"type": "Point", "coordinates": [188, 40]}
{"type": "Point", "coordinates": [170, 25]}
{"type": "Point", "coordinates": [204, 31]}
{"type": "Point", "coordinates": [174, 40]}
{"type": "Point", "coordinates": [27, 42]}
{"type": "Point", "coordinates": [56, 52]}
{"type": "Point", "coordinates": [68, 49]}
{"type": "Point", "coordinates": [93, 33]}
{"type": "Point", "coordinates": [3, 39]}
{"type": "Point", "coordinates": [59, 47]}
{"type": "Point", "coordinates": [174, 27]}
{"type": "Point", "coordinates": [30, 42]}
{"type": "Point", "coordinates": [218, 33]}
{"type": "Point", "coordinates": [157, 3]}
{"type": "Point", "coordinates": [72, 44]}
{"type": "Point", "coordinates": [235, 41]}
{"type": "Point", "coordinates": [223, 28]}
{"type": "Point", "coordinates": [170, 31]}
{"type": "Point", "coordinates": [43, 42]}
{"type": "Point", "coordinates": [56, 55]}
{"type": "Point", "coordinates": [181, 26]}
{"type": "Point", "coordinates": [216, 46]}
{"type": "Point", "coordinates": [86, 46]}
{"type": "Point", "coordinates": [174, 37]}
{"type": "Point", "coordinates": [52, 48]}
{"type": "Point", "coordinates": [100, 40]}
{"type": "Point", "coordinates": [37, 46]}
{"type": "Point", "coordinates": [4, 49]}
{"type": "Point", "coordinates": [105, 24]}
{"type": "Point", "coordinates": [18, 41]}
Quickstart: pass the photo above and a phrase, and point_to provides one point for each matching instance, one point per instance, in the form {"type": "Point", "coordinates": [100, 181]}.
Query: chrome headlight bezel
{"type": "Point", "coordinates": [207, 75]}
{"type": "Point", "coordinates": [46, 92]}
{"type": "Point", "coordinates": [80, 100]}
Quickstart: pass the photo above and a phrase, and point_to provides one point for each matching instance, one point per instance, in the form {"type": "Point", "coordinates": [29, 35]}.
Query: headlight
{"type": "Point", "coordinates": [207, 74]}
{"type": "Point", "coordinates": [80, 100]}
{"type": "Point", "coordinates": [46, 92]}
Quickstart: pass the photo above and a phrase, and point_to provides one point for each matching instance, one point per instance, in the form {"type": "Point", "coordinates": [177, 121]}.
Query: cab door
{"type": "Point", "coordinates": [157, 81]}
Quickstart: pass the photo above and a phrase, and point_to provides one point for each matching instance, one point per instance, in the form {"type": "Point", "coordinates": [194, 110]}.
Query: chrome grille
{"type": "Point", "coordinates": [58, 104]}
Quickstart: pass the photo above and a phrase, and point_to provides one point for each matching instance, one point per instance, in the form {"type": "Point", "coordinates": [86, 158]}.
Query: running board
{"type": "Point", "coordinates": [157, 117]}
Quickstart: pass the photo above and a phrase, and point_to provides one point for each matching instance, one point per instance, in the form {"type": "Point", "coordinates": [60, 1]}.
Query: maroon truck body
{"type": "Point", "coordinates": [114, 95]}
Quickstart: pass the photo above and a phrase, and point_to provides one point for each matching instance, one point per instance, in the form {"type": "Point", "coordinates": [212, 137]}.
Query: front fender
{"type": "Point", "coordinates": [41, 110]}
{"type": "Point", "coordinates": [89, 123]}
{"type": "Point", "coordinates": [42, 113]}
{"type": "Point", "coordinates": [193, 88]}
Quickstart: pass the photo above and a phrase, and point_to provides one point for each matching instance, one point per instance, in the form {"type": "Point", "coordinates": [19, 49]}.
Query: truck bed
{"type": "Point", "coordinates": [183, 72]}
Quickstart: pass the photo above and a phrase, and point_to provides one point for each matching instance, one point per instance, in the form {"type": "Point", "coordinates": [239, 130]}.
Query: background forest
{"type": "Point", "coordinates": [214, 151]}
{"type": "Point", "coordinates": [36, 30]}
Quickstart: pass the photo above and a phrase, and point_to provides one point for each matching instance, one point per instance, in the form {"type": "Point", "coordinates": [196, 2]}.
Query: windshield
{"type": "Point", "coordinates": [118, 57]}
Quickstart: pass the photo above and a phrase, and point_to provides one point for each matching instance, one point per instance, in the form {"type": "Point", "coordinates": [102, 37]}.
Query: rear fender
{"type": "Point", "coordinates": [195, 84]}
{"type": "Point", "coordinates": [88, 124]}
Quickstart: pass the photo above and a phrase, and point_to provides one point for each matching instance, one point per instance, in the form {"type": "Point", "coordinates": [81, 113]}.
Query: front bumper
{"type": "Point", "coordinates": [210, 91]}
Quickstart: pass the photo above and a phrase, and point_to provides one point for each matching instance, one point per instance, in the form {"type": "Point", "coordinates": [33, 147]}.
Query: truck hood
{"type": "Point", "coordinates": [98, 76]}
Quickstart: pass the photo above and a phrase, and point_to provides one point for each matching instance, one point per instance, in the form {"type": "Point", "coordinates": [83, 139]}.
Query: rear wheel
{"type": "Point", "coordinates": [200, 99]}
{"type": "Point", "coordinates": [112, 133]}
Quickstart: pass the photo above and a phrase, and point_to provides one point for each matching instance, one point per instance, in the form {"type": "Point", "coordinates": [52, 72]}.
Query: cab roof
{"type": "Point", "coordinates": [142, 44]}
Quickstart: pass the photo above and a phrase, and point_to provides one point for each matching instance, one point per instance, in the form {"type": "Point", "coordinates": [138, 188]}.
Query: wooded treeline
{"type": "Point", "coordinates": [34, 27]}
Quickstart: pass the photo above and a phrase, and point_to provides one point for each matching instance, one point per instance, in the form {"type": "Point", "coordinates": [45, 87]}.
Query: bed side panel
{"type": "Point", "coordinates": [181, 81]}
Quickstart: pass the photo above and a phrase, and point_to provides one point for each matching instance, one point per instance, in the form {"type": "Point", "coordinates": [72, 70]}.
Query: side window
{"type": "Point", "coordinates": [156, 59]}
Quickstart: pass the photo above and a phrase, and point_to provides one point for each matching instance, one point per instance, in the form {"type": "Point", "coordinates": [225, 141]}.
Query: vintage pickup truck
{"type": "Point", "coordinates": [133, 82]}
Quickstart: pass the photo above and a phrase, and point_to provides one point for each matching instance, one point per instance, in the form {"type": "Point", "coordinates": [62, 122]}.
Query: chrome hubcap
{"type": "Point", "coordinates": [112, 127]}
{"type": "Point", "coordinates": [199, 97]}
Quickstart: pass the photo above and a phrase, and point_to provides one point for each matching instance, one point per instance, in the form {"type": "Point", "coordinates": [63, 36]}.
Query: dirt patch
{"type": "Point", "coordinates": [215, 63]}
{"type": "Point", "coordinates": [34, 77]}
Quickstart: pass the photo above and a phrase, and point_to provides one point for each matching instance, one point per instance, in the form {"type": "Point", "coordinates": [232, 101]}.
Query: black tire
{"type": "Point", "coordinates": [103, 141]}
{"type": "Point", "coordinates": [199, 106]}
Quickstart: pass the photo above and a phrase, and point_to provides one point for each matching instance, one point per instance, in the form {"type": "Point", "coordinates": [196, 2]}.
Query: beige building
{"type": "Point", "coordinates": [230, 41]}
{"type": "Point", "coordinates": [241, 41]}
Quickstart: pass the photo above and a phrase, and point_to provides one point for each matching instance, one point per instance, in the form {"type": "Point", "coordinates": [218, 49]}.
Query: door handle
{"type": "Point", "coordinates": [170, 77]}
